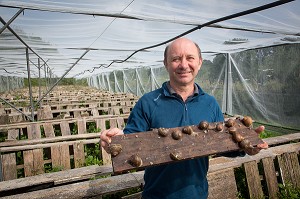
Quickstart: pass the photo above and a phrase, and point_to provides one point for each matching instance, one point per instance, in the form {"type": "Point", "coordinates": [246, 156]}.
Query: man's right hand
{"type": "Point", "coordinates": [106, 135]}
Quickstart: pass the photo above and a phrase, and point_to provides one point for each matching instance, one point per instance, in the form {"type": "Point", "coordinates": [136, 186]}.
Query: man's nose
{"type": "Point", "coordinates": [184, 63]}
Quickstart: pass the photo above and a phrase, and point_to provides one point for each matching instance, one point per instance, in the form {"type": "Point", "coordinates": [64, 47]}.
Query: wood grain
{"type": "Point", "coordinates": [154, 149]}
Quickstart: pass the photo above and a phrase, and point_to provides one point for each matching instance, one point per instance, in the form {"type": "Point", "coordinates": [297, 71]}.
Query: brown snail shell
{"type": "Point", "coordinates": [176, 155]}
{"type": "Point", "coordinates": [203, 125]}
{"type": "Point", "coordinates": [236, 136]}
{"type": "Point", "coordinates": [230, 122]}
{"type": "Point", "coordinates": [247, 121]}
{"type": "Point", "coordinates": [219, 127]}
{"type": "Point", "coordinates": [162, 132]}
{"type": "Point", "coordinates": [232, 130]}
{"type": "Point", "coordinates": [115, 149]}
{"type": "Point", "coordinates": [176, 134]}
{"type": "Point", "coordinates": [135, 161]}
{"type": "Point", "coordinates": [187, 130]}
{"type": "Point", "coordinates": [244, 144]}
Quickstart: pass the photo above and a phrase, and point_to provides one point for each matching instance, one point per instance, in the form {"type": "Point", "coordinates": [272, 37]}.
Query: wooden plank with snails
{"type": "Point", "coordinates": [167, 145]}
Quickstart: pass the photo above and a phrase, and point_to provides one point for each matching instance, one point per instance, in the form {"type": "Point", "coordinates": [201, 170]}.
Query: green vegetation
{"type": "Point", "coordinates": [64, 81]}
{"type": "Point", "coordinates": [288, 191]}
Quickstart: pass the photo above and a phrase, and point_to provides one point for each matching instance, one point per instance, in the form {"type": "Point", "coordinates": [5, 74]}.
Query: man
{"type": "Point", "coordinates": [179, 102]}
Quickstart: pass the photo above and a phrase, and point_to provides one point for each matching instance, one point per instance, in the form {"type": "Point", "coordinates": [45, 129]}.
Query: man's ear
{"type": "Point", "coordinates": [165, 63]}
{"type": "Point", "coordinates": [200, 64]}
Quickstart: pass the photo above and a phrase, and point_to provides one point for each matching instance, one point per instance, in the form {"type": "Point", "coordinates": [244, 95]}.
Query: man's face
{"type": "Point", "coordinates": [182, 62]}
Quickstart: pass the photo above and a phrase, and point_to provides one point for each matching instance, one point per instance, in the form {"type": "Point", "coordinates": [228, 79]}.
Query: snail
{"type": "Point", "coordinates": [187, 130]}
{"type": "Point", "coordinates": [203, 125]}
{"type": "Point", "coordinates": [176, 155]}
{"type": "Point", "coordinates": [176, 134]}
{"type": "Point", "coordinates": [135, 161]}
{"type": "Point", "coordinates": [237, 137]}
{"type": "Point", "coordinates": [230, 123]}
{"type": "Point", "coordinates": [244, 144]}
{"type": "Point", "coordinates": [232, 130]}
{"type": "Point", "coordinates": [247, 121]}
{"type": "Point", "coordinates": [219, 127]}
{"type": "Point", "coordinates": [115, 149]}
{"type": "Point", "coordinates": [162, 132]}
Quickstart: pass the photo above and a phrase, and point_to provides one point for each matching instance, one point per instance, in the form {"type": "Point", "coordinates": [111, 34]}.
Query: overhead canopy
{"type": "Point", "coordinates": [91, 36]}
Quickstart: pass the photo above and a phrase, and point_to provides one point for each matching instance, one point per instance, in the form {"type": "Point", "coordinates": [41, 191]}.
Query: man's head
{"type": "Point", "coordinates": [182, 59]}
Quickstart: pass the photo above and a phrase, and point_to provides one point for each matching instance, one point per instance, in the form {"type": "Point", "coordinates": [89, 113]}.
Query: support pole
{"type": "Point", "coordinates": [29, 85]}
{"type": "Point", "coordinates": [11, 20]}
{"type": "Point", "coordinates": [39, 68]}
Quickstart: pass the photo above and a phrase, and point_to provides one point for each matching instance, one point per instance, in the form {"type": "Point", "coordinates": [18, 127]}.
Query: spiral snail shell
{"type": "Point", "coordinates": [176, 134]}
{"type": "Point", "coordinates": [176, 155]}
{"type": "Point", "coordinates": [187, 130]}
{"type": "Point", "coordinates": [115, 149]}
{"type": "Point", "coordinates": [136, 161]}
{"type": "Point", "coordinates": [162, 132]}
{"type": "Point", "coordinates": [203, 125]}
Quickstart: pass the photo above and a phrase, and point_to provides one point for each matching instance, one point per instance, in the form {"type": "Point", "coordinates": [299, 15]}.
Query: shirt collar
{"type": "Point", "coordinates": [172, 91]}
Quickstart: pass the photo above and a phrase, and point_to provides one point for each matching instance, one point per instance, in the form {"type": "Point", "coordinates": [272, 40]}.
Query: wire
{"type": "Point", "coordinates": [243, 13]}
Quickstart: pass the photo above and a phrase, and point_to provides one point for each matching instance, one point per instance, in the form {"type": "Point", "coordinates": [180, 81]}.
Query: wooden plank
{"type": "Point", "coordinates": [49, 140]}
{"type": "Point", "coordinates": [100, 124]}
{"type": "Point", "coordinates": [13, 134]}
{"type": "Point", "coordinates": [270, 152]}
{"type": "Point", "coordinates": [49, 130]}
{"type": "Point", "coordinates": [154, 149]}
{"type": "Point", "coordinates": [65, 128]}
{"type": "Point", "coordinates": [270, 177]}
{"type": "Point", "coordinates": [77, 114]}
{"type": "Point", "coordinates": [222, 184]}
{"type": "Point", "coordinates": [289, 168]}
{"type": "Point", "coordinates": [33, 162]}
{"type": "Point", "coordinates": [95, 112]}
{"type": "Point", "coordinates": [56, 178]}
{"type": "Point", "coordinates": [253, 180]}
{"type": "Point", "coordinates": [79, 157]}
{"type": "Point", "coordinates": [106, 157]}
{"type": "Point", "coordinates": [47, 145]}
{"type": "Point", "coordinates": [133, 196]}
{"type": "Point", "coordinates": [60, 156]}
{"type": "Point", "coordinates": [120, 123]}
{"type": "Point", "coordinates": [9, 166]}
{"type": "Point", "coordinates": [113, 123]}
{"type": "Point", "coordinates": [81, 125]}
{"type": "Point", "coordinates": [87, 189]}
{"type": "Point", "coordinates": [33, 131]}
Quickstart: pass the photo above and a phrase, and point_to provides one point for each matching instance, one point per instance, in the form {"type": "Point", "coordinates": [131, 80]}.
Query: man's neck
{"type": "Point", "coordinates": [184, 91]}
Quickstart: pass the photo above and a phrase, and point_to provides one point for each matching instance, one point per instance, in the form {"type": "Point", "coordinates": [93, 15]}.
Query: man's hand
{"type": "Point", "coordinates": [106, 135]}
{"type": "Point", "coordinates": [255, 150]}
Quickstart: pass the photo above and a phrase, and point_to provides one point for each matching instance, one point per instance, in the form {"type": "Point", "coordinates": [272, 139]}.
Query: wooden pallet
{"type": "Point", "coordinates": [149, 148]}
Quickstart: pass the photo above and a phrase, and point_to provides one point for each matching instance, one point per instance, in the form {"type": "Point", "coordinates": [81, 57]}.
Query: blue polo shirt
{"type": "Point", "coordinates": [164, 108]}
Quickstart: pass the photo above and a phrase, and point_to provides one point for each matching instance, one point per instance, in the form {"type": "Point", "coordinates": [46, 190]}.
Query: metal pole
{"type": "Point", "coordinates": [227, 82]}
{"type": "Point", "coordinates": [11, 105]}
{"type": "Point", "coordinates": [63, 76]}
{"type": "Point", "coordinates": [7, 83]}
{"type": "Point", "coordinates": [39, 67]}
{"type": "Point", "coordinates": [11, 20]}
{"type": "Point", "coordinates": [29, 85]}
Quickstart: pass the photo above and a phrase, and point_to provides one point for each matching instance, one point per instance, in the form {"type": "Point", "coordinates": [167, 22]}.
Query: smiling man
{"type": "Point", "coordinates": [179, 102]}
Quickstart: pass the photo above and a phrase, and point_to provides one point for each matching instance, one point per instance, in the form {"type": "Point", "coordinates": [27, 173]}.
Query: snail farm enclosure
{"type": "Point", "coordinates": [49, 123]}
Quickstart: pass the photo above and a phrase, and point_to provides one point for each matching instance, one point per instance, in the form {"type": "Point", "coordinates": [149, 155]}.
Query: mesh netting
{"type": "Point", "coordinates": [263, 83]}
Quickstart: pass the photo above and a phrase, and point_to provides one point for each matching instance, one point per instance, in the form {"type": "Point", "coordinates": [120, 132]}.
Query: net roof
{"type": "Point", "coordinates": [80, 38]}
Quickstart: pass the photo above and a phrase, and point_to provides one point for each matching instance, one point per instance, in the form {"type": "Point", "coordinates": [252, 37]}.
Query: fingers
{"type": "Point", "coordinates": [252, 150]}
{"type": "Point", "coordinates": [263, 145]}
{"type": "Point", "coordinates": [106, 135]}
{"type": "Point", "coordinates": [255, 150]}
{"type": "Point", "coordinates": [260, 129]}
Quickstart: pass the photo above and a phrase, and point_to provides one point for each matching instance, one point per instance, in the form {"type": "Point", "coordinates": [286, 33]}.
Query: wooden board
{"type": "Point", "coordinates": [154, 149]}
{"type": "Point", "coordinates": [253, 180]}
